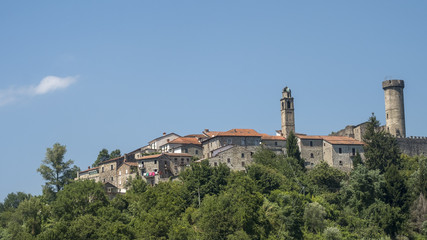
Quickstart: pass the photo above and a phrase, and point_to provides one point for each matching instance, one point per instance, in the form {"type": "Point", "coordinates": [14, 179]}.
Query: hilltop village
{"type": "Point", "coordinates": [165, 157]}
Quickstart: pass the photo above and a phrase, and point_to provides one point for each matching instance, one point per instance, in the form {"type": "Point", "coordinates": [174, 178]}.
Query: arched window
{"type": "Point", "coordinates": [289, 104]}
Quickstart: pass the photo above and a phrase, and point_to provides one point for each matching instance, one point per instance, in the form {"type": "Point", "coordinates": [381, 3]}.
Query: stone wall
{"type": "Point", "coordinates": [236, 158]}
{"type": "Point", "coordinates": [311, 151]}
{"type": "Point", "coordinates": [341, 156]}
{"type": "Point", "coordinates": [108, 172]}
{"type": "Point", "coordinates": [413, 146]}
{"type": "Point", "coordinates": [217, 142]}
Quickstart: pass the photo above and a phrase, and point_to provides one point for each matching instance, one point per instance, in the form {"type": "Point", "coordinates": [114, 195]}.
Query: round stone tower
{"type": "Point", "coordinates": [394, 107]}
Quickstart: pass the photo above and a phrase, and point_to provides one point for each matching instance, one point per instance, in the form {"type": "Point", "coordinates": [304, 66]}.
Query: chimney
{"type": "Point", "coordinates": [88, 167]}
{"type": "Point", "coordinates": [206, 130]}
{"type": "Point", "coordinates": [164, 134]}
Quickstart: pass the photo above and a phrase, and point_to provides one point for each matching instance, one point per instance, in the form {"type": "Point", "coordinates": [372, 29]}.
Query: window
{"type": "Point", "coordinates": [275, 143]}
{"type": "Point", "coordinates": [283, 105]}
{"type": "Point", "coordinates": [339, 150]}
{"type": "Point", "coordinates": [126, 171]}
{"type": "Point", "coordinates": [311, 155]}
{"type": "Point", "coordinates": [243, 164]}
{"type": "Point", "coordinates": [120, 181]}
{"type": "Point", "coordinates": [155, 170]}
{"type": "Point", "coordinates": [102, 170]}
{"type": "Point", "coordinates": [228, 160]}
{"type": "Point", "coordinates": [112, 178]}
{"type": "Point", "coordinates": [215, 164]}
{"type": "Point", "coordinates": [243, 155]}
{"type": "Point", "coordinates": [112, 167]}
{"type": "Point", "coordinates": [387, 115]}
{"type": "Point", "coordinates": [353, 151]}
{"type": "Point", "coordinates": [311, 143]}
{"type": "Point", "coordinates": [120, 173]}
{"type": "Point", "coordinates": [155, 161]}
{"type": "Point", "coordinates": [228, 140]}
{"type": "Point", "coordinates": [188, 160]}
{"type": "Point", "coordinates": [340, 163]}
{"type": "Point", "coordinates": [289, 104]}
{"type": "Point", "coordinates": [185, 150]}
{"type": "Point", "coordinates": [252, 154]}
{"type": "Point", "coordinates": [103, 180]}
{"type": "Point", "coordinates": [197, 151]}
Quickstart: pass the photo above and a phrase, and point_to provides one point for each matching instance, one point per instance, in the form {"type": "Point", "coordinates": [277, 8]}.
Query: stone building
{"type": "Point", "coordinates": [275, 143]}
{"type": "Point", "coordinates": [235, 157]}
{"type": "Point", "coordinates": [162, 167]}
{"type": "Point", "coordinates": [190, 145]}
{"type": "Point", "coordinates": [89, 174]}
{"type": "Point", "coordinates": [235, 137]}
{"type": "Point", "coordinates": [337, 151]}
{"type": "Point", "coordinates": [117, 171]}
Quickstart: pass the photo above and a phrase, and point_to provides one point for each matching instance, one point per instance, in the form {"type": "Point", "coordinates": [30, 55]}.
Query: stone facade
{"type": "Point", "coordinates": [235, 157]}
{"type": "Point", "coordinates": [337, 151]}
{"type": "Point", "coordinates": [89, 174]}
{"type": "Point", "coordinates": [413, 146]}
{"type": "Point", "coordinates": [287, 112]}
{"type": "Point", "coordinates": [161, 167]}
{"type": "Point", "coordinates": [160, 141]}
{"type": "Point", "coordinates": [355, 132]}
{"type": "Point", "coordinates": [275, 143]}
{"type": "Point", "coordinates": [394, 107]}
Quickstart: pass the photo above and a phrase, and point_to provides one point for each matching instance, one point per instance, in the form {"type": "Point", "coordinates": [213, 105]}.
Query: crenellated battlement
{"type": "Point", "coordinates": [393, 83]}
{"type": "Point", "coordinates": [413, 145]}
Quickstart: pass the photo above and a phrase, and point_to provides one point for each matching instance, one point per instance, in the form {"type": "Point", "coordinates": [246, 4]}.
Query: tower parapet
{"type": "Point", "coordinates": [394, 107]}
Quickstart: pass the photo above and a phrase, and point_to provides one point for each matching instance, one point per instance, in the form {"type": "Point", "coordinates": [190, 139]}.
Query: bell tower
{"type": "Point", "coordinates": [287, 110]}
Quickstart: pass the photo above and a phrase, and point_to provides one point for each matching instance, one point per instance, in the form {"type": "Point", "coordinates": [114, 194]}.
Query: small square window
{"type": "Point", "coordinates": [339, 150]}
{"type": "Point", "coordinates": [243, 155]}
{"type": "Point", "coordinates": [311, 155]}
{"type": "Point", "coordinates": [340, 163]}
{"type": "Point", "coordinates": [228, 160]}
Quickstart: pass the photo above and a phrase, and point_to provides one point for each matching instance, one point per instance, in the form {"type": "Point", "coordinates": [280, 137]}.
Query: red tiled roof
{"type": "Point", "coordinates": [167, 154]}
{"type": "Point", "coordinates": [234, 133]}
{"type": "Point", "coordinates": [309, 137]}
{"type": "Point", "coordinates": [341, 140]}
{"type": "Point", "coordinates": [335, 140]}
{"type": "Point", "coordinates": [132, 164]}
{"type": "Point", "coordinates": [195, 135]}
{"type": "Point", "coordinates": [111, 160]}
{"type": "Point", "coordinates": [177, 154]}
{"type": "Point", "coordinates": [186, 140]}
{"type": "Point", "coordinates": [150, 156]}
{"type": "Point", "coordinates": [270, 137]}
{"type": "Point", "coordinates": [90, 169]}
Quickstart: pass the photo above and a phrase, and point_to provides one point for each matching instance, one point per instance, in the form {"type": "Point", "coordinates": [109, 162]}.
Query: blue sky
{"type": "Point", "coordinates": [116, 74]}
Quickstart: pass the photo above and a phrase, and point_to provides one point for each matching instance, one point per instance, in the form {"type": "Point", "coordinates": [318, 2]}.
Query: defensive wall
{"type": "Point", "coordinates": [413, 146]}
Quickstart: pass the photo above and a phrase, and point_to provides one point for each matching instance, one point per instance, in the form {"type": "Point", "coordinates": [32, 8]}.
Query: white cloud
{"type": "Point", "coordinates": [46, 85]}
{"type": "Point", "coordinates": [52, 83]}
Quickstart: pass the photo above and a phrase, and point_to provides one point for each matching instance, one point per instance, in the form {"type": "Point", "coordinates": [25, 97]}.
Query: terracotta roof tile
{"type": "Point", "coordinates": [90, 169]}
{"type": "Point", "coordinates": [111, 160]}
{"type": "Point", "coordinates": [149, 156]}
{"type": "Point", "coordinates": [341, 140]}
{"type": "Point", "coordinates": [177, 154]}
{"type": "Point", "coordinates": [132, 164]}
{"type": "Point", "coordinates": [186, 140]}
{"type": "Point", "coordinates": [335, 140]}
{"type": "Point", "coordinates": [271, 137]}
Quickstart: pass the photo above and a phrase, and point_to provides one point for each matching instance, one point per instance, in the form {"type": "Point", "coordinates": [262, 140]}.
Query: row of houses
{"type": "Point", "coordinates": [165, 157]}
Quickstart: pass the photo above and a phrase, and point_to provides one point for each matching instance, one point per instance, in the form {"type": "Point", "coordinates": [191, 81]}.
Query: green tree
{"type": "Point", "coordinates": [102, 156]}
{"type": "Point", "coordinates": [357, 160]}
{"type": "Point", "coordinates": [13, 200]}
{"type": "Point", "coordinates": [381, 149]}
{"type": "Point", "coordinates": [292, 149]}
{"type": "Point", "coordinates": [115, 154]}
{"type": "Point", "coordinates": [362, 188]}
{"type": "Point", "coordinates": [396, 192]}
{"type": "Point", "coordinates": [55, 170]}
{"type": "Point", "coordinates": [325, 178]}
{"type": "Point", "coordinates": [314, 217]}
{"type": "Point", "coordinates": [32, 210]}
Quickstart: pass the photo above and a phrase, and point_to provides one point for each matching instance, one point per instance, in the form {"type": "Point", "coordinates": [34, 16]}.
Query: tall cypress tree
{"type": "Point", "coordinates": [381, 149]}
{"type": "Point", "coordinates": [292, 149]}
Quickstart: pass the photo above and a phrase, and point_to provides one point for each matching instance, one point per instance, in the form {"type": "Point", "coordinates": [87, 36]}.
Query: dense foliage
{"type": "Point", "coordinates": [275, 198]}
